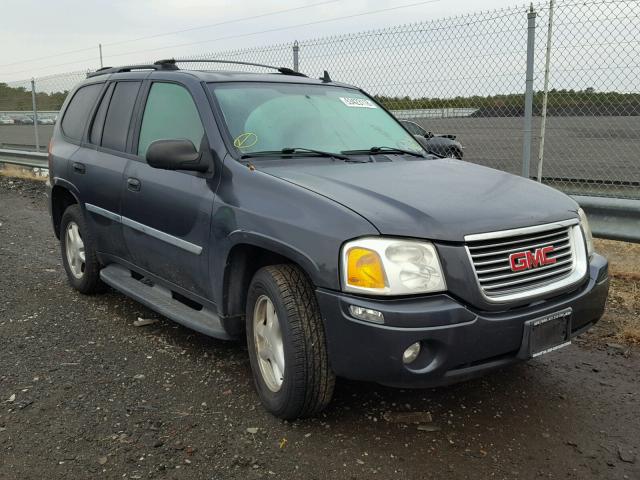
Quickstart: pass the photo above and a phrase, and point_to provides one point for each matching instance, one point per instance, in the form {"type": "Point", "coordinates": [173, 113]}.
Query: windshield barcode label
{"type": "Point", "coordinates": [358, 102]}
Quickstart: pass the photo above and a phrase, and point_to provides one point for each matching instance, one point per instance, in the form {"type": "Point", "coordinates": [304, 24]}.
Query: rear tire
{"type": "Point", "coordinates": [305, 386]}
{"type": "Point", "coordinates": [79, 255]}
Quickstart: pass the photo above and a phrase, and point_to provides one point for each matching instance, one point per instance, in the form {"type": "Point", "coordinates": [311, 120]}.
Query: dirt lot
{"type": "Point", "coordinates": [85, 394]}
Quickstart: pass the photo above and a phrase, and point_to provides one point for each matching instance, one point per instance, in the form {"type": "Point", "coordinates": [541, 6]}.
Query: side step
{"type": "Point", "coordinates": [160, 299]}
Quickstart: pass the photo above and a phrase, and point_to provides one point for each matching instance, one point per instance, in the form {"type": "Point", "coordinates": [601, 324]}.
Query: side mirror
{"type": "Point", "coordinates": [178, 154]}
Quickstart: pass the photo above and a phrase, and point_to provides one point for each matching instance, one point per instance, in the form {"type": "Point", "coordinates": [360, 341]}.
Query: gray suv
{"type": "Point", "coordinates": [300, 213]}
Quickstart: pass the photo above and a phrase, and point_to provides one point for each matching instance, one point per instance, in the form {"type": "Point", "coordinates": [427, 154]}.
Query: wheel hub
{"type": "Point", "coordinates": [267, 338]}
{"type": "Point", "coordinates": [75, 250]}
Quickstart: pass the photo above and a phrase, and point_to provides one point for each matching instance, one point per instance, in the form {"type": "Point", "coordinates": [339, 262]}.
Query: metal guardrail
{"type": "Point", "coordinates": [612, 218]}
{"type": "Point", "coordinates": [24, 158]}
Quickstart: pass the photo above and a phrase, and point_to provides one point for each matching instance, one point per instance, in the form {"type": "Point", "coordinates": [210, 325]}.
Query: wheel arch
{"type": "Point", "coordinates": [245, 256]}
{"type": "Point", "coordinates": [61, 199]}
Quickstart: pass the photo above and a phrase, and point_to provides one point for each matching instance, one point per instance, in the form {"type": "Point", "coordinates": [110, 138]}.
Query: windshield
{"type": "Point", "coordinates": [275, 116]}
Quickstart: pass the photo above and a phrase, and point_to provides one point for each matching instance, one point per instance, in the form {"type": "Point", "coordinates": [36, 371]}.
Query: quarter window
{"type": "Point", "coordinates": [170, 113]}
{"type": "Point", "coordinates": [77, 113]}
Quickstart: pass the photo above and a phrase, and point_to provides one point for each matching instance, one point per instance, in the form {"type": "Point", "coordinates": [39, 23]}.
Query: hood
{"type": "Point", "coordinates": [442, 199]}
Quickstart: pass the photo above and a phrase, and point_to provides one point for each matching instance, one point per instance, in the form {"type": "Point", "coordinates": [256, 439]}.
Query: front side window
{"type": "Point", "coordinates": [414, 128]}
{"type": "Point", "coordinates": [274, 116]}
{"type": "Point", "coordinates": [77, 113]}
{"type": "Point", "coordinates": [170, 113]}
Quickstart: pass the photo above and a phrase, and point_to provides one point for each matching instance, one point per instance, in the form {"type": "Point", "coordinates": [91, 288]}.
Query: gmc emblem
{"type": "Point", "coordinates": [525, 260]}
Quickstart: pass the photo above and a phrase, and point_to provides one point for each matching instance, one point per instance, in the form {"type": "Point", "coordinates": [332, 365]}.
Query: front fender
{"type": "Point", "coordinates": [308, 264]}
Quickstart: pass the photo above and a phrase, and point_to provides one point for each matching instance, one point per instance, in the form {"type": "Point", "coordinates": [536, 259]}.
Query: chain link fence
{"type": "Point", "coordinates": [466, 76]}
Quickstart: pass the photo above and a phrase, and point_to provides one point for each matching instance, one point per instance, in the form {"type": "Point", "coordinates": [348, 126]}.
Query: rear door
{"type": "Point", "coordinates": [98, 167]}
{"type": "Point", "coordinates": [166, 215]}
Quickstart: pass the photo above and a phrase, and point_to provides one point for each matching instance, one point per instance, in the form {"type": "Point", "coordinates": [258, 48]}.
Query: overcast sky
{"type": "Point", "coordinates": [45, 30]}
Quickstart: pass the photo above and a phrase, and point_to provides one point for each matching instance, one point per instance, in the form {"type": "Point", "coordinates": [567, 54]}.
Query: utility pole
{"type": "Point", "coordinates": [543, 120]}
{"type": "Point", "coordinates": [528, 96]}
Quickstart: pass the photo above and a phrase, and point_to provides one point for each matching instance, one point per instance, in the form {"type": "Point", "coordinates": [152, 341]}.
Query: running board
{"type": "Point", "coordinates": [160, 299]}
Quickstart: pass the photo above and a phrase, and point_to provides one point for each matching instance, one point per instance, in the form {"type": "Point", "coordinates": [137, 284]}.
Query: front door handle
{"type": "Point", "coordinates": [79, 167]}
{"type": "Point", "coordinates": [133, 184]}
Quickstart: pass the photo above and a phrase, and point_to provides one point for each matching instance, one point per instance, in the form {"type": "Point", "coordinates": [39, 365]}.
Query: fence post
{"type": "Point", "coordinates": [100, 50]}
{"type": "Point", "coordinates": [543, 119]}
{"type": "Point", "coordinates": [35, 113]}
{"type": "Point", "coordinates": [296, 49]}
{"type": "Point", "coordinates": [528, 95]}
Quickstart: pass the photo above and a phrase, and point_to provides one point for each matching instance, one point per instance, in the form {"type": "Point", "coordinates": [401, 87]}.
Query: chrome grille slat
{"type": "Point", "coordinates": [525, 272]}
{"type": "Point", "coordinates": [552, 234]}
{"type": "Point", "coordinates": [505, 256]}
{"type": "Point", "coordinates": [489, 254]}
{"type": "Point", "coordinates": [501, 269]}
{"type": "Point", "coordinates": [565, 239]}
{"type": "Point", "coordinates": [524, 280]}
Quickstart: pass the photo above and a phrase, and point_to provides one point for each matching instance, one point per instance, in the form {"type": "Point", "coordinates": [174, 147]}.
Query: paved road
{"type": "Point", "coordinates": [96, 397]}
{"type": "Point", "coordinates": [24, 135]}
{"type": "Point", "coordinates": [575, 147]}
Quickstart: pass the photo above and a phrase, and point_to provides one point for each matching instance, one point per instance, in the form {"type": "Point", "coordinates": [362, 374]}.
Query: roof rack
{"type": "Point", "coordinates": [173, 61]}
{"type": "Point", "coordinates": [129, 68]}
{"type": "Point", "coordinates": [170, 64]}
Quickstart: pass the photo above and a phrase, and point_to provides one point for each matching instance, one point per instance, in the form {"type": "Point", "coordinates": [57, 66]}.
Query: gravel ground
{"type": "Point", "coordinates": [86, 394]}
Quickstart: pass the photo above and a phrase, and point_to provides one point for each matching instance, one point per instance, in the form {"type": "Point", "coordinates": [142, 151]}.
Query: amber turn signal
{"type": "Point", "coordinates": [364, 269]}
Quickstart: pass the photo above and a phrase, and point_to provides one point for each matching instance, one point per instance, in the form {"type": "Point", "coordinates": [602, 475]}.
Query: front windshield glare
{"type": "Point", "coordinates": [272, 116]}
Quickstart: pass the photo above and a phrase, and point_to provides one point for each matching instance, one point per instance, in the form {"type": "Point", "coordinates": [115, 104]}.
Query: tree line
{"type": "Point", "coordinates": [19, 98]}
{"type": "Point", "coordinates": [570, 102]}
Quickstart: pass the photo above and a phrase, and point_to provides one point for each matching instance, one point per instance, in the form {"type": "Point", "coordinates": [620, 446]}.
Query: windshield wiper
{"type": "Point", "coordinates": [293, 151]}
{"type": "Point", "coordinates": [376, 150]}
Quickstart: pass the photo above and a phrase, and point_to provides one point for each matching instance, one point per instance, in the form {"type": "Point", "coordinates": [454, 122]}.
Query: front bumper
{"type": "Point", "coordinates": [457, 341]}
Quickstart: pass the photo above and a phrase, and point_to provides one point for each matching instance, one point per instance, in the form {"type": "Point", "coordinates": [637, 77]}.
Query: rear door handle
{"type": "Point", "coordinates": [133, 184]}
{"type": "Point", "coordinates": [79, 167]}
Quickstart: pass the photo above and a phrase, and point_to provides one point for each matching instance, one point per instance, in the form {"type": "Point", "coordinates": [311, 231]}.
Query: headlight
{"type": "Point", "coordinates": [584, 223]}
{"type": "Point", "coordinates": [387, 266]}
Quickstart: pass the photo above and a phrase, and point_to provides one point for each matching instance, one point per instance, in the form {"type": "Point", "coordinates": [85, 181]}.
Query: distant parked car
{"type": "Point", "coordinates": [441, 145]}
{"type": "Point", "coordinates": [46, 121]}
{"type": "Point", "coordinates": [6, 120]}
{"type": "Point", "coordinates": [23, 120]}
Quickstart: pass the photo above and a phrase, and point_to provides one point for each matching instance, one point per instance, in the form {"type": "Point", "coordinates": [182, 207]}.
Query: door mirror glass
{"type": "Point", "coordinates": [176, 154]}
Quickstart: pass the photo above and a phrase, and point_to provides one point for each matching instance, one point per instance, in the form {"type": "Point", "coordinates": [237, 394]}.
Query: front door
{"type": "Point", "coordinates": [166, 215]}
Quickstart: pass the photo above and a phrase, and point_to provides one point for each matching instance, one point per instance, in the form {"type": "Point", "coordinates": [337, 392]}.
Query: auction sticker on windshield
{"type": "Point", "coordinates": [358, 102]}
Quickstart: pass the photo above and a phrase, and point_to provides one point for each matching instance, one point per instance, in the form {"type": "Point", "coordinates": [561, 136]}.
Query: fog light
{"type": "Point", "coordinates": [411, 353]}
{"type": "Point", "coordinates": [366, 314]}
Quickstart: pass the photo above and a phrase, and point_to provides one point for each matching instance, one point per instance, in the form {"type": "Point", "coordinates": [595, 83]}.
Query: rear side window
{"type": "Point", "coordinates": [77, 113]}
{"type": "Point", "coordinates": [98, 121]}
{"type": "Point", "coordinates": [170, 113]}
{"type": "Point", "coordinates": [116, 123]}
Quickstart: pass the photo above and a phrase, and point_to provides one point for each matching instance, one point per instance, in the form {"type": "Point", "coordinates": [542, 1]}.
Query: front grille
{"type": "Point", "coordinates": [490, 254]}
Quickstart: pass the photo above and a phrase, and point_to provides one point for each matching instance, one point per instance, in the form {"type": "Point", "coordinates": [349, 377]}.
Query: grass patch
{"type": "Point", "coordinates": [24, 173]}
{"type": "Point", "coordinates": [621, 321]}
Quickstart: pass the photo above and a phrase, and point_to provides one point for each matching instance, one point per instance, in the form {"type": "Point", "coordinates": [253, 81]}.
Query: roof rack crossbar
{"type": "Point", "coordinates": [283, 70]}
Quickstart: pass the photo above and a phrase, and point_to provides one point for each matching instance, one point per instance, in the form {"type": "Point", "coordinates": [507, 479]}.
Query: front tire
{"type": "Point", "coordinates": [286, 342]}
{"type": "Point", "coordinates": [79, 255]}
